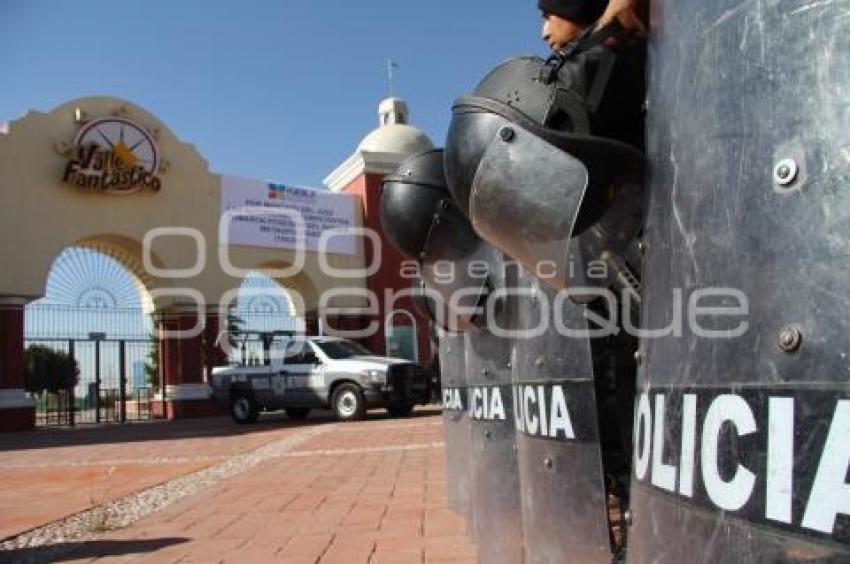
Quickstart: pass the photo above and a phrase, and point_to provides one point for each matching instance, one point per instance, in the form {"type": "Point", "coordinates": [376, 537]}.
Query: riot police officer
{"type": "Point", "coordinates": [564, 20]}
{"type": "Point", "coordinates": [621, 23]}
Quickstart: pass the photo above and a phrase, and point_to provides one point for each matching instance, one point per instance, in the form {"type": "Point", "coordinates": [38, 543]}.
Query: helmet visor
{"type": "Point", "coordinates": [525, 198]}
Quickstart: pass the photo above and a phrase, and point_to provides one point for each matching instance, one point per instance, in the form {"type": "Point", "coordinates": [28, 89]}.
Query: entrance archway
{"type": "Point", "coordinates": [95, 315]}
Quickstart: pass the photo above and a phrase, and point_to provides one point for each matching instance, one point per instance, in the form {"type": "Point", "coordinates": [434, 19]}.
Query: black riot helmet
{"type": "Point", "coordinates": [523, 162]}
{"type": "Point", "coordinates": [422, 222]}
{"type": "Point", "coordinates": [410, 197]}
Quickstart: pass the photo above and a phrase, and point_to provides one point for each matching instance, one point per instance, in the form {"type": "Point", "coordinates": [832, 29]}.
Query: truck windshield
{"type": "Point", "coordinates": [343, 349]}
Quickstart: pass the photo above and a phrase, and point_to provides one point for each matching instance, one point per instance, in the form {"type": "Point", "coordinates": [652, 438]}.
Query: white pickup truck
{"type": "Point", "coordinates": [302, 373]}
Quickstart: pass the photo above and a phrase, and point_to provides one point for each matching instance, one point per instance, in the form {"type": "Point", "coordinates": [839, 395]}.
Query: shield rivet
{"type": "Point", "coordinates": [487, 433]}
{"type": "Point", "coordinates": [790, 338]}
{"type": "Point", "coordinates": [507, 134]}
{"type": "Point", "coordinates": [638, 357]}
{"type": "Point", "coordinates": [548, 463]}
{"type": "Point", "coordinates": [785, 172]}
{"type": "Point", "coordinates": [485, 372]}
{"type": "Point", "coordinates": [628, 517]}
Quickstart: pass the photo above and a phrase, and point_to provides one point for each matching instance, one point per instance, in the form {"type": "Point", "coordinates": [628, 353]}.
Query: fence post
{"type": "Point", "coordinates": [122, 376]}
{"type": "Point", "coordinates": [163, 358]}
{"type": "Point", "coordinates": [72, 400]}
{"type": "Point", "coordinates": [97, 381]}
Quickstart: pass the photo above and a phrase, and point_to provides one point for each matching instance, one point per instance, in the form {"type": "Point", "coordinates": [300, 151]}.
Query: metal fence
{"type": "Point", "coordinates": [49, 321]}
{"type": "Point", "coordinates": [114, 383]}
{"type": "Point", "coordinates": [113, 349]}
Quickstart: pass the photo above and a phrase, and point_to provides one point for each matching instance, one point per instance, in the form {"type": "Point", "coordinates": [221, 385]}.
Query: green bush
{"type": "Point", "coordinates": [152, 363]}
{"type": "Point", "coordinates": [49, 370]}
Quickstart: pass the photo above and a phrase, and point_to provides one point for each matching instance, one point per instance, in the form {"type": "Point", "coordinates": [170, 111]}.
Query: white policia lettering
{"type": "Point", "coordinates": [830, 493]}
{"type": "Point", "coordinates": [537, 415]}
{"type": "Point", "coordinates": [452, 399]}
{"type": "Point", "coordinates": [486, 403]}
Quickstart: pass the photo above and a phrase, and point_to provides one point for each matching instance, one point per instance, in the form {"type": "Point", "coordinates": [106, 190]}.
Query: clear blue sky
{"type": "Point", "coordinates": [277, 90]}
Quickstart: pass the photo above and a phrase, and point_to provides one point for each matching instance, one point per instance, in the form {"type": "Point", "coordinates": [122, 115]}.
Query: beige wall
{"type": "Point", "coordinates": [40, 216]}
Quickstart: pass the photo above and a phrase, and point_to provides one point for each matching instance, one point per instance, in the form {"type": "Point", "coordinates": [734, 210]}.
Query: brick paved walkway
{"type": "Point", "coordinates": [367, 492]}
{"type": "Point", "coordinates": [48, 474]}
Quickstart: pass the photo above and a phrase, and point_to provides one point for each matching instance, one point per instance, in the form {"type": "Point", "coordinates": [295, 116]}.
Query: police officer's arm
{"type": "Point", "coordinates": [630, 13]}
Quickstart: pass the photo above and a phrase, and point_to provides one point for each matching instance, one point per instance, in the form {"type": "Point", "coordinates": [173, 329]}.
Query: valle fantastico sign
{"type": "Point", "coordinates": [113, 155]}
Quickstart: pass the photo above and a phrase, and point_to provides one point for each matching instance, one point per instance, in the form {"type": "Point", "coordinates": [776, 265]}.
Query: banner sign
{"type": "Point", "coordinates": [321, 211]}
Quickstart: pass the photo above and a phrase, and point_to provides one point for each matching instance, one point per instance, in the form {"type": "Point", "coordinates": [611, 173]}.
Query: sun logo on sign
{"type": "Point", "coordinates": [129, 141]}
{"type": "Point", "coordinates": [113, 155]}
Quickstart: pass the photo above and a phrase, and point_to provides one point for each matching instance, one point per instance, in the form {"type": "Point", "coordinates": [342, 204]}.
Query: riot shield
{"type": "Point", "coordinates": [743, 409]}
{"type": "Point", "coordinates": [564, 502]}
{"type": "Point", "coordinates": [457, 437]}
{"type": "Point", "coordinates": [450, 263]}
{"type": "Point", "coordinates": [495, 476]}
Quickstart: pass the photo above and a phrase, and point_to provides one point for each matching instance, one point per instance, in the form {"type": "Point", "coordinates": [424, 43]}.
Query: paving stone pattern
{"type": "Point", "coordinates": [317, 492]}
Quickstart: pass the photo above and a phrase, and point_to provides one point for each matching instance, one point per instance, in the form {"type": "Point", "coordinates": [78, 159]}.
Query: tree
{"type": "Point", "coordinates": [49, 370]}
{"type": "Point", "coordinates": [235, 326]}
{"type": "Point", "coordinates": [233, 332]}
{"type": "Point", "coordinates": [152, 363]}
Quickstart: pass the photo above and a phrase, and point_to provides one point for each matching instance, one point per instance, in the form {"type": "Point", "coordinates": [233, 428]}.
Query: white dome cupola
{"type": "Point", "coordinates": [383, 149]}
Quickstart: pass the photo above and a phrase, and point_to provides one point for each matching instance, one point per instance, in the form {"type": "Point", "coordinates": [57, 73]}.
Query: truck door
{"type": "Point", "coordinates": [316, 388]}
{"type": "Point", "coordinates": [278, 378]}
{"type": "Point", "coordinates": [302, 372]}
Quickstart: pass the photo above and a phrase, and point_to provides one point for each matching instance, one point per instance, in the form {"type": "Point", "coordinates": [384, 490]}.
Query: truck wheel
{"type": "Point", "coordinates": [297, 413]}
{"type": "Point", "coordinates": [400, 409]}
{"type": "Point", "coordinates": [244, 408]}
{"type": "Point", "coordinates": [348, 403]}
